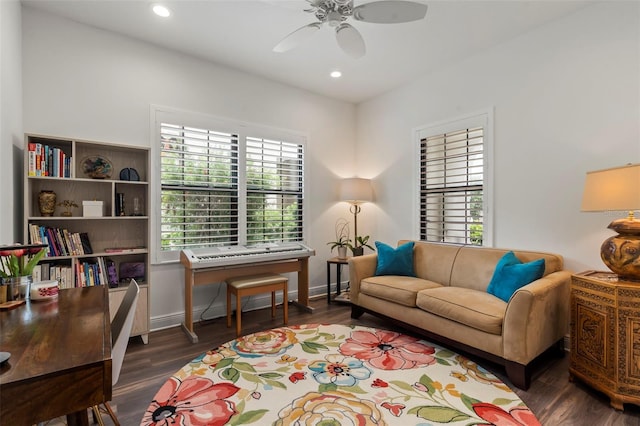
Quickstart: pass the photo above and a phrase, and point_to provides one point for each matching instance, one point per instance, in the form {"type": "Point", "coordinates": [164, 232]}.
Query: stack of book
{"type": "Point", "coordinates": [60, 241]}
{"type": "Point", "coordinates": [45, 160]}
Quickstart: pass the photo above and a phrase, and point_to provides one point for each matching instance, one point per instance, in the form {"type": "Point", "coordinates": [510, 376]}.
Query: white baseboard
{"type": "Point", "coordinates": [219, 310]}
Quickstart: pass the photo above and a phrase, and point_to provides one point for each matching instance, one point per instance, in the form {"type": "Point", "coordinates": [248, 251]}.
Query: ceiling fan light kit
{"type": "Point", "coordinates": [335, 13]}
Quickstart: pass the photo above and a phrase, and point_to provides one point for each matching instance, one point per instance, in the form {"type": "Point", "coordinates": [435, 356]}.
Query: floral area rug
{"type": "Point", "coordinates": [319, 374]}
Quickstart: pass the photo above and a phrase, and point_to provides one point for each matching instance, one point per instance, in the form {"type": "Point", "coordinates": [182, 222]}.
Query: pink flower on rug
{"type": "Point", "coordinates": [395, 409]}
{"type": "Point", "coordinates": [388, 350]}
{"type": "Point", "coordinates": [270, 342]}
{"type": "Point", "coordinates": [518, 416]}
{"type": "Point", "coordinates": [196, 401]}
{"type": "Point", "coordinates": [332, 407]}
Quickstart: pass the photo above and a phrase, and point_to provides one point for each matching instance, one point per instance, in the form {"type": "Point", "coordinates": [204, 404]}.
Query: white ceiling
{"type": "Point", "coordinates": [241, 34]}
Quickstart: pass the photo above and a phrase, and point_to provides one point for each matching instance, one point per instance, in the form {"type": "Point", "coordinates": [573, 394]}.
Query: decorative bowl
{"type": "Point", "coordinates": [44, 290]}
{"type": "Point", "coordinates": [97, 167]}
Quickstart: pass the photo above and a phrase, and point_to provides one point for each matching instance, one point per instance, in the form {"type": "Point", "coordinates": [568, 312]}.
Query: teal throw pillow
{"type": "Point", "coordinates": [511, 274]}
{"type": "Point", "coordinates": [395, 261]}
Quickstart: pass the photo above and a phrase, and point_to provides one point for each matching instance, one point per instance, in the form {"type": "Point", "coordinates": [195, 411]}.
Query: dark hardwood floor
{"type": "Point", "coordinates": [554, 399]}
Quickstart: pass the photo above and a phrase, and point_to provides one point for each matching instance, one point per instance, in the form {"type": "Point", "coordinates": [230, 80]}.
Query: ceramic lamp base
{"type": "Point", "coordinates": [621, 253]}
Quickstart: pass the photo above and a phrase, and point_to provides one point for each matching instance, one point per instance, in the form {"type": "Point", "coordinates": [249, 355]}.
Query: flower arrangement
{"type": "Point", "coordinates": [19, 260]}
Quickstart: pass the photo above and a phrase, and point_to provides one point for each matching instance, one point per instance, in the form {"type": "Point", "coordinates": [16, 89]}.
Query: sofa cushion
{"type": "Point", "coordinates": [472, 308]}
{"type": "Point", "coordinates": [395, 261]}
{"type": "Point", "coordinates": [394, 288]}
{"type": "Point", "coordinates": [511, 274]}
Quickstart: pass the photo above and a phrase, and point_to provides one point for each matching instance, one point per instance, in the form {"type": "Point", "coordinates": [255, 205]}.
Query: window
{"type": "Point", "coordinates": [224, 183]}
{"type": "Point", "coordinates": [453, 182]}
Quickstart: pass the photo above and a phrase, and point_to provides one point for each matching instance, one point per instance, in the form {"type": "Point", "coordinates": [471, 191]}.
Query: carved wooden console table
{"type": "Point", "coordinates": [605, 335]}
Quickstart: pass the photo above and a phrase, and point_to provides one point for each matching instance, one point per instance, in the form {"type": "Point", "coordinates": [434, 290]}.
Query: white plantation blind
{"type": "Point", "coordinates": [225, 183]}
{"type": "Point", "coordinates": [199, 185]}
{"type": "Point", "coordinates": [274, 173]}
{"type": "Point", "coordinates": [452, 180]}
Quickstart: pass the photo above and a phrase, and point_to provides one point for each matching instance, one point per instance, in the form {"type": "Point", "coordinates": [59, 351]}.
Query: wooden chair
{"type": "Point", "coordinates": [255, 284]}
{"type": "Point", "coordinates": [120, 332]}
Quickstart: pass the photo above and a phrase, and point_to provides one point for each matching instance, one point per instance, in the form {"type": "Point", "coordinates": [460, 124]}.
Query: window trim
{"type": "Point", "coordinates": [482, 118]}
{"type": "Point", "coordinates": [243, 129]}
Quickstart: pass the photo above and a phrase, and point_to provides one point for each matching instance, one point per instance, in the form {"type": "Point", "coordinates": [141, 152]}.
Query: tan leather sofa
{"type": "Point", "coordinates": [447, 301]}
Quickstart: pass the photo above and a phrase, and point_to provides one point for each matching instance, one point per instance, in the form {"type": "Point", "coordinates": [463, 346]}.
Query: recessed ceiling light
{"type": "Point", "coordinates": [161, 10]}
{"type": "Point", "coordinates": [336, 74]}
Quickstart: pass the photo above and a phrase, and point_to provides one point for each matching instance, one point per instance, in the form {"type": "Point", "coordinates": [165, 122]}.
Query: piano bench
{"type": "Point", "coordinates": [256, 284]}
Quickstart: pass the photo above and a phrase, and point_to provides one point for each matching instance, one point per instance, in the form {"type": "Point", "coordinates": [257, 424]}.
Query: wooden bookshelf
{"type": "Point", "coordinates": [81, 170]}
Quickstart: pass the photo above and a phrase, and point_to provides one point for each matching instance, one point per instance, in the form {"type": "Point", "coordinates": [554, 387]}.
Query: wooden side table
{"type": "Point", "coordinates": [605, 335]}
{"type": "Point", "coordinates": [338, 261]}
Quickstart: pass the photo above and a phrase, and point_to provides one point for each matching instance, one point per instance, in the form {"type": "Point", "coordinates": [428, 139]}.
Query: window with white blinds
{"type": "Point", "coordinates": [453, 185]}
{"type": "Point", "coordinates": [274, 190]}
{"type": "Point", "coordinates": [199, 185]}
{"type": "Point", "coordinates": [228, 184]}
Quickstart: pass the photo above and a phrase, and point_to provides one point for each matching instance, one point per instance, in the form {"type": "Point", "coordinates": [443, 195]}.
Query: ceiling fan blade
{"type": "Point", "coordinates": [390, 12]}
{"type": "Point", "coordinates": [350, 40]}
{"type": "Point", "coordinates": [297, 37]}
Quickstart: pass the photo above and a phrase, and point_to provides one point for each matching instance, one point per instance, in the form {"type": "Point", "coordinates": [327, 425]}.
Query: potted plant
{"type": "Point", "coordinates": [68, 205]}
{"type": "Point", "coordinates": [360, 243]}
{"type": "Point", "coordinates": [342, 241]}
{"type": "Point", "coordinates": [16, 265]}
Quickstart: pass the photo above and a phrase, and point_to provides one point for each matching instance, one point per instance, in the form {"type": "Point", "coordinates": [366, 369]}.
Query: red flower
{"type": "Point", "coordinates": [196, 401]}
{"type": "Point", "coordinates": [395, 409]}
{"type": "Point", "coordinates": [377, 383]}
{"type": "Point", "coordinates": [388, 350]}
{"type": "Point", "coordinates": [295, 377]}
{"type": "Point", "coordinates": [518, 416]}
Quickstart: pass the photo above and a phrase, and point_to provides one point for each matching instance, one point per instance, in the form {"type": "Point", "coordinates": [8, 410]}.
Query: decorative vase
{"type": "Point", "coordinates": [17, 288]}
{"type": "Point", "coordinates": [342, 252]}
{"type": "Point", "coordinates": [358, 251]}
{"type": "Point", "coordinates": [47, 202]}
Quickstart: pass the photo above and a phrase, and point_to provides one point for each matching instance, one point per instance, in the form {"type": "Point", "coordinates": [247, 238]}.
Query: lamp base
{"type": "Point", "coordinates": [621, 253]}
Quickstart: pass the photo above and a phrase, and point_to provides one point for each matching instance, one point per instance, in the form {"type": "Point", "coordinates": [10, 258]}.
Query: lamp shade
{"type": "Point", "coordinates": [356, 190]}
{"type": "Point", "coordinates": [612, 189]}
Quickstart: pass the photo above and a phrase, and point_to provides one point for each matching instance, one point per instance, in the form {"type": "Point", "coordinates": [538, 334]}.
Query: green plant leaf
{"type": "Point", "coordinates": [468, 401]}
{"type": "Point", "coordinates": [402, 385]}
{"type": "Point", "coordinates": [231, 374]}
{"type": "Point", "coordinates": [275, 384]}
{"type": "Point", "coordinates": [243, 366]}
{"type": "Point", "coordinates": [251, 378]}
{"type": "Point", "coordinates": [271, 375]}
{"type": "Point", "coordinates": [224, 362]}
{"type": "Point", "coordinates": [439, 414]}
{"type": "Point", "coordinates": [327, 387]}
{"type": "Point", "coordinates": [248, 417]}
{"type": "Point", "coordinates": [501, 401]}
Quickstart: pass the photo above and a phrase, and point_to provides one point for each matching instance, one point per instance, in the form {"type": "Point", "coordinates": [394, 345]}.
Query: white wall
{"type": "Point", "coordinates": [87, 83]}
{"type": "Point", "coordinates": [10, 119]}
{"type": "Point", "coordinates": [566, 99]}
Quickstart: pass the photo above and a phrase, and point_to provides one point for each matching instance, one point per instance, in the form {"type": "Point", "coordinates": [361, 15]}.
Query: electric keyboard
{"type": "Point", "coordinates": [211, 257]}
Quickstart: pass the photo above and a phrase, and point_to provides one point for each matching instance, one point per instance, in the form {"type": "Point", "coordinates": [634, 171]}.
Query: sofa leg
{"type": "Point", "coordinates": [519, 374]}
{"type": "Point", "coordinates": [356, 311]}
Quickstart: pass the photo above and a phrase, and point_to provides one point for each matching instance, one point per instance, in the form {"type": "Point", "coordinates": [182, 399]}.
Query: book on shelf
{"type": "Point", "coordinates": [46, 160]}
{"type": "Point", "coordinates": [60, 241]}
{"type": "Point", "coordinates": [124, 249]}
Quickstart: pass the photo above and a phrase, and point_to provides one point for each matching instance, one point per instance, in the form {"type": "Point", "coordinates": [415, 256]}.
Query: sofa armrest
{"type": "Point", "coordinates": [360, 267]}
{"type": "Point", "coordinates": [537, 316]}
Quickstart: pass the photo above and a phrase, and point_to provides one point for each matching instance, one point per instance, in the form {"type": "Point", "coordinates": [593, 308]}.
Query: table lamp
{"type": "Point", "coordinates": [356, 191]}
{"type": "Point", "coordinates": [617, 189]}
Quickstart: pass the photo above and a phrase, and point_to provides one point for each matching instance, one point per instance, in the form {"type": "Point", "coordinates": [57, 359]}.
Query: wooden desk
{"type": "Point", "coordinates": [194, 277]}
{"type": "Point", "coordinates": [60, 357]}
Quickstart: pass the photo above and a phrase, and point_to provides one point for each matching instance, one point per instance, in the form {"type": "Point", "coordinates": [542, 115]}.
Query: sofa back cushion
{"type": "Point", "coordinates": [474, 266]}
{"type": "Point", "coordinates": [433, 261]}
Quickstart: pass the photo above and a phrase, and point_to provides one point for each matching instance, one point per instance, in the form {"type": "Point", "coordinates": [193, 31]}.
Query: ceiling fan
{"type": "Point", "coordinates": [335, 13]}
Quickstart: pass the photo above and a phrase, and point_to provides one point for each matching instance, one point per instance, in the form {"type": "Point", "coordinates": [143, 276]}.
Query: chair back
{"type": "Point", "coordinates": [121, 329]}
